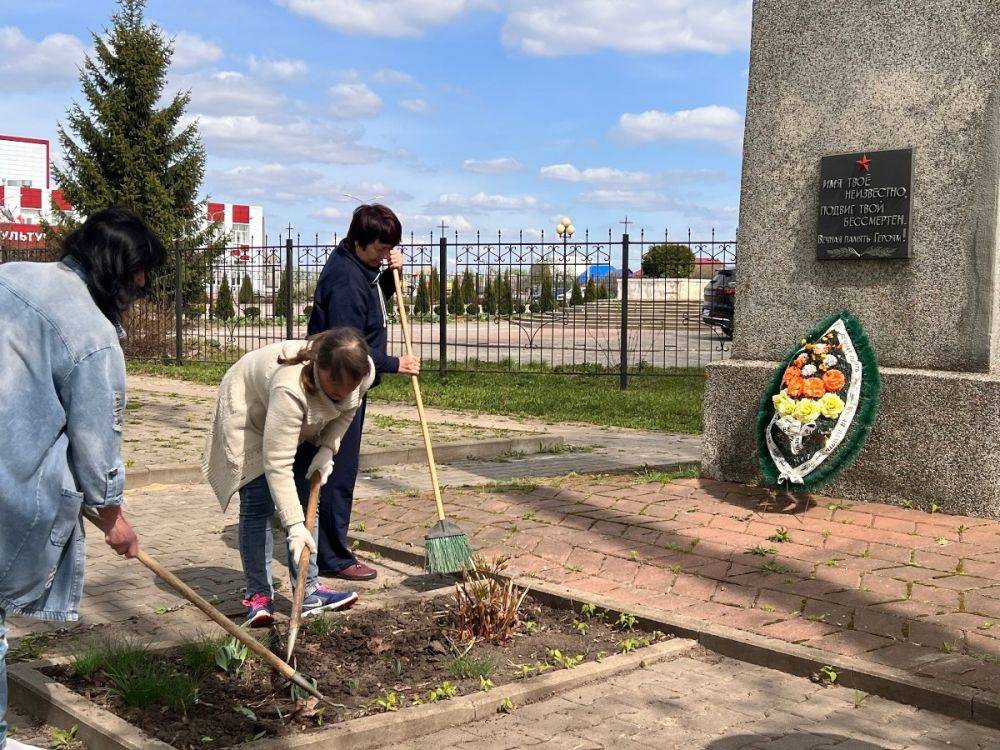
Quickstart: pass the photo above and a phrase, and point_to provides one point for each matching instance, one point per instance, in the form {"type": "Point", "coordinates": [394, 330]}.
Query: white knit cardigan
{"type": "Point", "coordinates": [262, 415]}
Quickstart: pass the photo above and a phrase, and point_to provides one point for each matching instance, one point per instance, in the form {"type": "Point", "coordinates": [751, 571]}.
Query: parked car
{"type": "Point", "coordinates": [717, 306]}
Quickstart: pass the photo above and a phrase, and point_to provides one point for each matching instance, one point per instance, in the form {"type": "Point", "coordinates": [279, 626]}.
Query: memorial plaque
{"type": "Point", "coordinates": [864, 205]}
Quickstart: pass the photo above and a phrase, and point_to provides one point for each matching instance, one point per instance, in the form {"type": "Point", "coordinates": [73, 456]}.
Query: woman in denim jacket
{"type": "Point", "coordinates": [63, 403]}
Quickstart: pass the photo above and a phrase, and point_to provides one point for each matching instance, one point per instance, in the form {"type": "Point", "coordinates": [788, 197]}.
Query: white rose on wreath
{"type": "Point", "coordinates": [808, 371]}
{"type": "Point", "coordinates": [830, 360]}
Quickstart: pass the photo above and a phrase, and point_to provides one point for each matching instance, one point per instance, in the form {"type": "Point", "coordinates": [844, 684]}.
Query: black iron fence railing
{"type": "Point", "coordinates": [489, 303]}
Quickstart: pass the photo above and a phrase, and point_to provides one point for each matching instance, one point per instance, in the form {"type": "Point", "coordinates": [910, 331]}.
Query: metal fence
{"type": "Point", "coordinates": [510, 304]}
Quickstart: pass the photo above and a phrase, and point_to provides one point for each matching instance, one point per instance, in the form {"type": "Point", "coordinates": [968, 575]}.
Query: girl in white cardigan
{"type": "Point", "coordinates": [270, 403]}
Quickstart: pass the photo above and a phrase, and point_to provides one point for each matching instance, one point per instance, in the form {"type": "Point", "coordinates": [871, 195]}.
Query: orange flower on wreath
{"type": "Point", "coordinates": [813, 388]}
{"type": "Point", "coordinates": [794, 386]}
{"type": "Point", "coordinates": [833, 380]}
{"type": "Point", "coordinates": [801, 360]}
{"type": "Point", "coordinates": [791, 372]}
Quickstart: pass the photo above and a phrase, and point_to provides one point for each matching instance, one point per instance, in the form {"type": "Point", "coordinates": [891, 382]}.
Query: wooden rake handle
{"type": "Point", "coordinates": [404, 322]}
{"type": "Point", "coordinates": [303, 568]}
{"type": "Point", "coordinates": [258, 648]}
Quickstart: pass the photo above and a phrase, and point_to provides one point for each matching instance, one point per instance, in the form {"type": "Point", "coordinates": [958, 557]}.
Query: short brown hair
{"type": "Point", "coordinates": [374, 223]}
{"type": "Point", "coordinates": [341, 351]}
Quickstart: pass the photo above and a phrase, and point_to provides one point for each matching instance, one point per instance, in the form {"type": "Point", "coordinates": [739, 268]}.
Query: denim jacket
{"type": "Point", "coordinates": [62, 402]}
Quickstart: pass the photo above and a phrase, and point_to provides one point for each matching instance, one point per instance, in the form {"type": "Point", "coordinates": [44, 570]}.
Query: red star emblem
{"type": "Point", "coordinates": [864, 162]}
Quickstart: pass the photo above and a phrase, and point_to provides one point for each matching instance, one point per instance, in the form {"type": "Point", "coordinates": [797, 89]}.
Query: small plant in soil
{"type": "Point", "coordinates": [443, 692]}
{"type": "Point", "coordinates": [321, 626]}
{"type": "Point", "coordinates": [63, 739]}
{"type": "Point", "coordinates": [486, 607]}
{"type": "Point", "coordinates": [626, 621]}
{"type": "Point", "coordinates": [506, 706]}
{"type": "Point", "coordinates": [231, 656]}
{"type": "Point", "coordinates": [565, 661]}
{"type": "Point", "coordinates": [199, 656]}
{"type": "Point", "coordinates": [485, 684]}
{"type": "Point", "coordinates": [761, 550]}
{"type": "Point", "coordinates": [108, 654]}
{"type": "Point", "coordinates": [465, 667]}
{"type": "Point", "coordinates": [389, 701]}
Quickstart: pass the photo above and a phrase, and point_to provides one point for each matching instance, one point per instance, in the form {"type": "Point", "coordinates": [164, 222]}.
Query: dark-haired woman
{"type": "Point", "coordinates": [62, 399]}
{"type": "Point", "coordinates": [352, 291]}
{"type": "Point", "coordinates": [271, 402]}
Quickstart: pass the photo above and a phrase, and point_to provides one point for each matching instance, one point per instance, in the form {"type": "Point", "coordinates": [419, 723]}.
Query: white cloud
{"type": "Point", "coordinates": [293, 140]}
{"type": "Point", "coordinates": [481, 202]}
{"type": "Point", "coordinates": [608, 176]}
{"type": "Point", "coordinates": [502, 165]}
{"type": "Point", "coordinates": [712, 123]}
{"type": "Point", "coordinates": [330, 213]}
{"type": "Point", "coordinates": [279, 183]}
{"type": "Point", "coordinates": [417, 106]}
{"type": "Point", "coordinates": [418, 223]}
{"type": "Point", "coordinates": [366, 191]}
{"type": "Point", "coordinates": [654, 200]}
{"type": "Point", "coordinates": [228, 93]}
{"type": "Point", "coordinates": [598, 175]}
{"type": "Point", "coordinates": [634, 26]}
{"type": "Point", "coordinates": [354, 100]}
{"type": "Point", "coordinates": [192, 51]}
{"type": "Point", "coordinates": [391, 77]}
{"type": "Point", "coordinates": [26, 65]}
{"type": "Point", "coordinates": [387, 18]}
{"type": "Point", "coordinates": [278, 70]}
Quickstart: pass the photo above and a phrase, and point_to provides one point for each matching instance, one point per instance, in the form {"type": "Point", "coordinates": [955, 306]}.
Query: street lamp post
{"type": "Point", "coordinates": [565, 230]}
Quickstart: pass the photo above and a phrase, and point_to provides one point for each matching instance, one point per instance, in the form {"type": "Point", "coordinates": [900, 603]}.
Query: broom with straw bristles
{"type": "Point", "coordinates": [447, 548]}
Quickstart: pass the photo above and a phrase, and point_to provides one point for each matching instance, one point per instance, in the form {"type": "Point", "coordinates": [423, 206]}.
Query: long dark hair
{"type": "Point", "coordinates": [373, 223]}
{"type": "Point", "coordinates": [111, 247]}
{"type": "Point", "coordinates": [341, 351]}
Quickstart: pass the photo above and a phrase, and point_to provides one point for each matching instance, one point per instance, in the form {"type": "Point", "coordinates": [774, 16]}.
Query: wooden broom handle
{"type": "Point", "coordinates": [415, 381]}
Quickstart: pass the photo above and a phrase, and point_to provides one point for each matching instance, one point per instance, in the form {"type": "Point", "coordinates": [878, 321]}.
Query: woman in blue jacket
{"type": "Point", "coordinates": [352, 291]}
{"type": "Point", "coordinates": [63, 402]}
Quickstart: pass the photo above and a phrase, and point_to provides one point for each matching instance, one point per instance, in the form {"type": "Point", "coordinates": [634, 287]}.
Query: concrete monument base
{"type": "Point", "coordinates": [935, 438]}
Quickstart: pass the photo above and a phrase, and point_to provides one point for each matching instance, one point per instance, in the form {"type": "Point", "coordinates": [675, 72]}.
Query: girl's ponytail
{"type": "Point", "coordinates": [340, 351]}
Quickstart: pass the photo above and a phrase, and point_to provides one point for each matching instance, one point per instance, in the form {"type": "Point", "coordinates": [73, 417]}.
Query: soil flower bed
{"type": "Point", "coordinates": [209, 694]}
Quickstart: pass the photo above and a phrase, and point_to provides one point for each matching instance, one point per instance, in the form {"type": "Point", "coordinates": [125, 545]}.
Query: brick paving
{"type": "Point", "coordinates": [713, 703]}
{"type": "Point", "coordinates": [895, 586]}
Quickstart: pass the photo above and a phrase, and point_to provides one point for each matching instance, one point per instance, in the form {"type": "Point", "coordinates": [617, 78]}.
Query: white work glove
{"type": "Point", "coordinates": [323, 463]}
{"type": "Point", "coordinates": [298, 539]}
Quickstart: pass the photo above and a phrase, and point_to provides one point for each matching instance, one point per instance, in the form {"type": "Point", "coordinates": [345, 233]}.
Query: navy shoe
{"type": "Point", "coordinates": [325, 599]}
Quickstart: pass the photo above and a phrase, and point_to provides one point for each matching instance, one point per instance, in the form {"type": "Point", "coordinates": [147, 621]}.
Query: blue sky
{"type": "Point", "coordinates": [490, 114]}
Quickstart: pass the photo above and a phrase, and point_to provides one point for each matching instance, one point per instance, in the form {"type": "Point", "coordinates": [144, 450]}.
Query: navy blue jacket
{"type": "Point", "coordinates": [349, 293]}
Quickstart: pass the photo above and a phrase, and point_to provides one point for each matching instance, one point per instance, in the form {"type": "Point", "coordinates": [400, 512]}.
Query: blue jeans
{"type": "Point", "coordinates": [3, 683]}
{"type": "Point", "coordinates": [256, 537]}
{"type": "Point", "coordinates": [337, 496]}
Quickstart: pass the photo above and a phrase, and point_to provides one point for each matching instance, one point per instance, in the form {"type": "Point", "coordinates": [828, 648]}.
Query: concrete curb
{"type": "Point", "coordinates": [36, 694]}
{"type": "Point", "coordinates": [957, 701]}
{"type": "Point", "coordinates": [142, 476]}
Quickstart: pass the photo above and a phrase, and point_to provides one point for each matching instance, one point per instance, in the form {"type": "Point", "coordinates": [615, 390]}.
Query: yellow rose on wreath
{"type": "Point", "coordinates": [807, 411]}
{"type": "Point", "coordinates": [831, 405]}
{"type": "Point", "coordinates": [783, 404]}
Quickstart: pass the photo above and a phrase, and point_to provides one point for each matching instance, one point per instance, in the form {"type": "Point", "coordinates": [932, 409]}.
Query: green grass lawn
{"type": "Point", "coordinates": [668, 403]}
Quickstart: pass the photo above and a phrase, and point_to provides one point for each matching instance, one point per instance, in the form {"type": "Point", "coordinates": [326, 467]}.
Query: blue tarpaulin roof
{"type": "Point", "coordinates": [599, 272]}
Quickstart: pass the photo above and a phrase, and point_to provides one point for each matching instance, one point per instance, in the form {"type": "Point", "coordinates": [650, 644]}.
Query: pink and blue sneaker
{"type": "Point", "coordinates": [260, 611]}
{"type": "Point", "coordinates": [325, 599]}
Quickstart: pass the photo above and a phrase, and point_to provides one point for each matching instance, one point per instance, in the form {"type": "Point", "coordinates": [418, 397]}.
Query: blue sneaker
{"type": "Point", "coordinates": [325, 599]}
{"type": "Point", "coordinates": [260, 611]}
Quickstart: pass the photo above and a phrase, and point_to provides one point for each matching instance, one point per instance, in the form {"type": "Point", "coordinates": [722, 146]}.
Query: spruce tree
{"type": "Point", "coordinates": [590, 295]}
{"type": "Point", "coordinates": [281, 297]}
{"type": "Point", "coordinates": [576, 296]}
{"type": "Point", "coordinates": [434, 288]}
{"type": "Point", "coordinates": [468, 287]}
{"type": "Point", "coordinates": [246, 291]}
{"type": "Point", "coordinates": [506, 297]}
{"type": "Point", "coordinates": [490, 295]}
{"type": "Point", "coordinates": [422, 304]}
{"type": "Point", "coordinates": [547, 301]}
{"type": "Point", "coordinates": [224, 309]}
{"type": "Point", "coordinates": [456, 302]}
{"type": "Point", "coordinates": [127, 146]}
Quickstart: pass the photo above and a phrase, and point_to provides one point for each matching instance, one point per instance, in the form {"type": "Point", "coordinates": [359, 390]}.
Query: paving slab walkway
{"type": "Point", "coordinates": [166, 422]}
{"type": "Point", "coordinates": [707, 702]}
{"type": "Point", "coordinates": [893, 586]}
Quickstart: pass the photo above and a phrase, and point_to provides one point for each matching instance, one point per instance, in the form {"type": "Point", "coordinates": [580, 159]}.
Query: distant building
{"type": "Point", "coordinates": [26, 195]}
